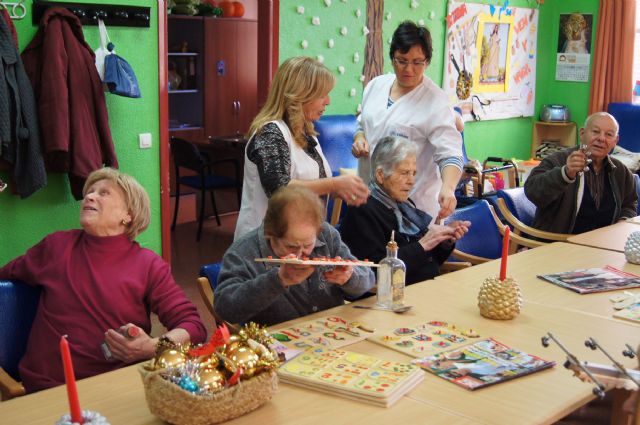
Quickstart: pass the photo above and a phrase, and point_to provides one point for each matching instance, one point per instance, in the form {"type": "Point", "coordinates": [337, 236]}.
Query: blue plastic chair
{"type": "Point", "coordinates": [335, 135]}
{"type": "Point", "coordinates": [18, 306]}
{"type": "Point", "coordinates": [518, 203]}
{"type": "Point", "coordinates": [483, 242]}
{"type": "Point", "coordinates": [207, 283]}
{"type": "Point", "coordinates": [211, 272]}
{"type": "Point", "coordinates": [628, 117]}
{"type": "Point", "coordinates": [518, 212]}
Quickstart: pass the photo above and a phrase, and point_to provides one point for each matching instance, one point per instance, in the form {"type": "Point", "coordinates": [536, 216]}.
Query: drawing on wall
{"type": "Point", "coordinates": [491, 52]}
{"type": "Point", "coordinates": [574, 47]}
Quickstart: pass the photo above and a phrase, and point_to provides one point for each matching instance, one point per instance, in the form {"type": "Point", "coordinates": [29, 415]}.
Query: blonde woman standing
{"type": "Point", "coordinates": [283, 149]}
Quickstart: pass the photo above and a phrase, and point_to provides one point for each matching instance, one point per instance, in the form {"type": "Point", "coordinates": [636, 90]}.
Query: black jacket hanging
{"type": "Point", "coordinates": [19, 135]}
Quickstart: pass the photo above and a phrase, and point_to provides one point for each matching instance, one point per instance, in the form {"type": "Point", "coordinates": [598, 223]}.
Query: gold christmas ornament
{"type": "Point", "coordinates": [498, 299]}
{"type": "Point", "coordinates": [245, 358]}
{"type": "Point", "coordinates": [234, 342]}
{"type": "Point", "coordinates": [169, 358]}
{"type": "Point", "coordinates": [208, 361]}
{"type": "Point", "coordinates": [211, 380]}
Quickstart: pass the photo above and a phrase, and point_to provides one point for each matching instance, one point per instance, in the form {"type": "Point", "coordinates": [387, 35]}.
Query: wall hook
{"type": "Point", "coordinates": [90, 13]}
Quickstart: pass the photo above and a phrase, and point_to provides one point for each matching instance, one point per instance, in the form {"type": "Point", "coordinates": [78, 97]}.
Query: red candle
{"type": "Point", "coordinates": [505, 254]}
{"type": "Point", "coordinates": [70, 379]}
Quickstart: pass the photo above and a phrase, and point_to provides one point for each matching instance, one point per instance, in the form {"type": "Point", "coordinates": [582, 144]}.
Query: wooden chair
{"type": "Point", "coordinates": [18, 306]}
{"type": "Point", "coordinates": [207, 282]}
{"type": "Point", "coordinates": [518, 212]}
{"type": "Point", "coordinates": [483, 242]}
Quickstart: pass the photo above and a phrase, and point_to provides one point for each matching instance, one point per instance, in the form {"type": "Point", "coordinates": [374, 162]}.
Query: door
{"type": "Point", "coordinates": [231, 62]}
{"type": "Point", "coordinates": [247, 74]}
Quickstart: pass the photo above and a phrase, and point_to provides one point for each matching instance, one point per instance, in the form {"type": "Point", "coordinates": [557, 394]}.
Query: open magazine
{"type": "Point", "coordinates": [482, 363]}
{"type": "Point", "coordinates": [587, 281]}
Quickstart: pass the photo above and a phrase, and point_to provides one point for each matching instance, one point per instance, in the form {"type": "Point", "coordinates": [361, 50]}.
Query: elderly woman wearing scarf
{"type": "Point", "coordinates": [366, 229]}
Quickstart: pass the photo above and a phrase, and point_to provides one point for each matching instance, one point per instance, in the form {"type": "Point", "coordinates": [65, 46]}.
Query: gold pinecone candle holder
{"type": "Point", "coordinates": [499, 299]}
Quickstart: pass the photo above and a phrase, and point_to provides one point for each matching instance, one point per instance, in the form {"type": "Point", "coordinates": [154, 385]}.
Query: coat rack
{"type": "Point", "coordinates": [16, 9]}
{"type": "Point", "coordinates": [89, 14]}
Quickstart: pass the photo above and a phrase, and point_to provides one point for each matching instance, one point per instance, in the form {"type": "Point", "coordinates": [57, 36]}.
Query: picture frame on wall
{"type": "Point", "coordinates": [492, 69]}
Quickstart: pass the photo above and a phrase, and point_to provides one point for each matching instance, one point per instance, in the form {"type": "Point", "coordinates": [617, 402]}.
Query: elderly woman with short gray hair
{"type": "Point", "coordinates": [99, 287]}
{"type": "Point", "coordinates": [423, 245]}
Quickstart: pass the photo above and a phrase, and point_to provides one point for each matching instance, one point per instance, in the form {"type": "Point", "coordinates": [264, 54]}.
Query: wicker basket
{"type": "Point", "coordinates": [177, 406]}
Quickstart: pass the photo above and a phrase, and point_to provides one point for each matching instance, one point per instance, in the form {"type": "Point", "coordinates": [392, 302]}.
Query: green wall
{"type": "Point", "coordinates": [573, 94]}
{"type": "Point", "coordinates": [506, 138]}
{"type": "Point", "coordinates": [25, 222]}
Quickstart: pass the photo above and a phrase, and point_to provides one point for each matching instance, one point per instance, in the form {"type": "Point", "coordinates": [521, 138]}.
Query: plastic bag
{"type": "Point", "coordinates": [119, 77]}
{"type": "Point", "coordinates": [102, 51]}
{"type": "Point", "coordinates": [114, 70]}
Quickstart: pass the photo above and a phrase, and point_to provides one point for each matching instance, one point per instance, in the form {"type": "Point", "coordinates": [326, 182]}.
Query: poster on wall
{"type": "Point", "coordinates": [491, 50]}
{"type": "Point", "coordinates": [574, 47]}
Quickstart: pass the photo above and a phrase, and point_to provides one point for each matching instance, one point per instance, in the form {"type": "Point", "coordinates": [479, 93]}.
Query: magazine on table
{"type": "Point", "coordinates": [587, 281]}
{"type": "Point", "coordinates": [482, 363]}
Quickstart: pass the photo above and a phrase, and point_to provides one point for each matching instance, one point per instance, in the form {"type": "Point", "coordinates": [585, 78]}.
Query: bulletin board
{"type": "Point", "coordinates": [490, 62]}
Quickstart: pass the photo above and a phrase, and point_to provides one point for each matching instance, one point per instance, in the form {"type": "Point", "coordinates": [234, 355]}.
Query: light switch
{"type": "Point", "coordinates": [145, 140]}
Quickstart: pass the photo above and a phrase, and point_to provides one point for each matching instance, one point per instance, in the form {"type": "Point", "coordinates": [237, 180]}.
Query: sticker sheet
{"type": "Point", "coordinates": [425, 339]}
{"type": "Point", "coordinates": [328, 332]}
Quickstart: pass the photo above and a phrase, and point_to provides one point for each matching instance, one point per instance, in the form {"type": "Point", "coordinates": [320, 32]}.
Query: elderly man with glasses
{"type": "Point", "coordinates": [408, 104]}
{"type": "Point", "coordinates": [268, 293]}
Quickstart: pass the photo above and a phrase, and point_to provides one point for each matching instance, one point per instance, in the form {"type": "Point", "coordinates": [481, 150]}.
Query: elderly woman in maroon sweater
{"type": "Point", "coordinates": [97, 284]}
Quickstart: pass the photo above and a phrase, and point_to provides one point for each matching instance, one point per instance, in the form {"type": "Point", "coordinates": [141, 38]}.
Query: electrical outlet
{"type": "Point", "coordinates": [145, 140]}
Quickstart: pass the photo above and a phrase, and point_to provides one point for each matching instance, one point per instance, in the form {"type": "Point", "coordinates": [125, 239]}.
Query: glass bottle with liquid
{"type": "Point", "coordinates": [391, 278]}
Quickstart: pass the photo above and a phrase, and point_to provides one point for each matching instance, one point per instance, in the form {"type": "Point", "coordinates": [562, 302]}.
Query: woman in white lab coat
{"type": "Point", "coordinates": [408, 104]}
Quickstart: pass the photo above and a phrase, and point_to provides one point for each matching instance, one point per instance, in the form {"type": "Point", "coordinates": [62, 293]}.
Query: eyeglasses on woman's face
{"type": "Point", "coordinates": [403, 63]}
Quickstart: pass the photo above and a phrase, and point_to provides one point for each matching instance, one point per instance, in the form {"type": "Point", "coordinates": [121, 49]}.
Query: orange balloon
{"type": "Point", "coordinates": [228, 9]}
{"type": "Point", "coordinates": [238, 9]}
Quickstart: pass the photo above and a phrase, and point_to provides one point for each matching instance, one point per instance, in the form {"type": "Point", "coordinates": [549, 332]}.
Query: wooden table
{"type": "Point", "coordinates": [610, 237]}
{"type": "Point", "coordinates": [540, 398]}
{"type": "Point", "coordinates": [119, 396]}
{"type": "Point", "coordinates": [553, 258]}
{"type": "Point", "coordinates": [543, 397]}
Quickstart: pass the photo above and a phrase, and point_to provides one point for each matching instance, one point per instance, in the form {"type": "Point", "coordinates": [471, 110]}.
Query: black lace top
{"type": "Point", "coordinates": [271, 154]}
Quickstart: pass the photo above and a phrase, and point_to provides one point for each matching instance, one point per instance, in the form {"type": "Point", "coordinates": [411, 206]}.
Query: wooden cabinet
{"type": "Point", "coordinates": [213, 87]}
{"type": "Point", "coordinates": [553, 135]}
{"type": "Point", "coordinates": [186, 85]}
{"type": "Point", "coordinates": [213, 77]}
{"type": "Point", "coordinates": [231, 72]}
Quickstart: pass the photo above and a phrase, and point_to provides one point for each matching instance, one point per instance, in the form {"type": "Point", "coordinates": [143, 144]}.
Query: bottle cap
{"type": "Point", "coordinates": [132, 332]}
{"type": "Point", "coordinates": [392, 243]}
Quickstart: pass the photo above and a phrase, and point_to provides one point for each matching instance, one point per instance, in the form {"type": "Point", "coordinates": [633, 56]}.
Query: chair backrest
{"type": "Point", "coordinates": [518, 203]}
{"type": "Point", "coordinates": [187, 155]}
{"type": "Point", "coordinates": [207, 283]}
{"type": "Point", "coordinates": [335, 134]}
{"type": "Point", "coordinates": [628, 117]}
{"type": "Point", "coordinates": [18, 305]}
{"type": "Point", "coordinates": [211, 272]}
{"type": "Point", "coordinates": [483, 238]}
